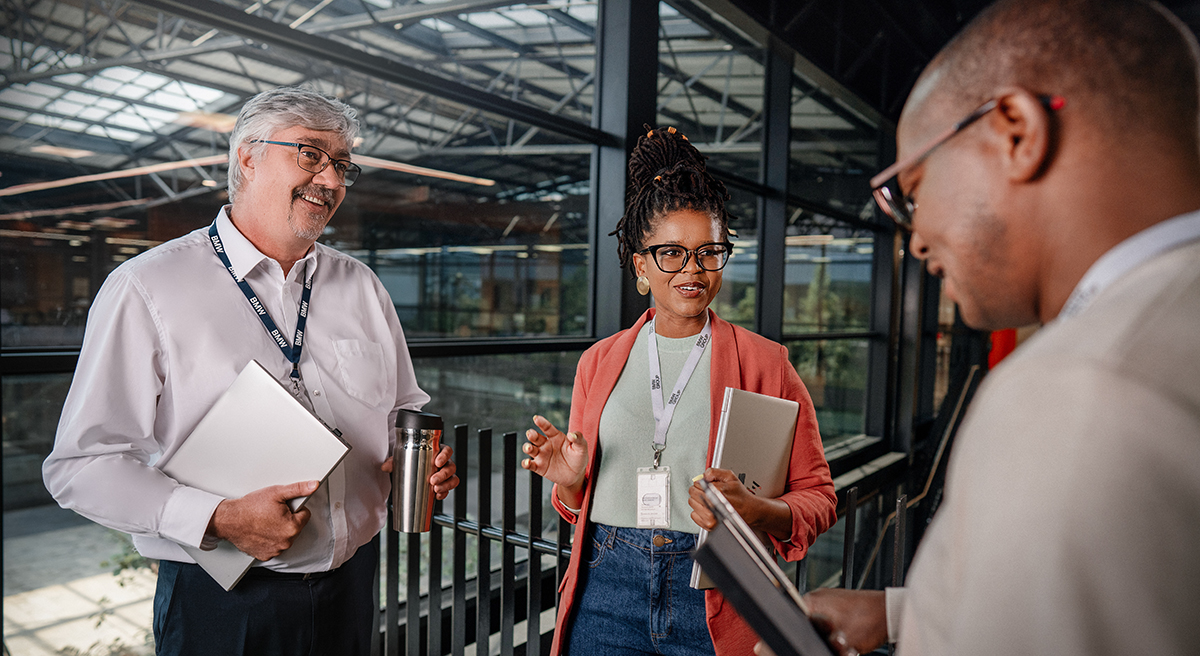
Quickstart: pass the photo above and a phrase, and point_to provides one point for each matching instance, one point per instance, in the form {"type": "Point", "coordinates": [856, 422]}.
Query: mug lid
{"type": "Point", "coordinates": [417, 420]}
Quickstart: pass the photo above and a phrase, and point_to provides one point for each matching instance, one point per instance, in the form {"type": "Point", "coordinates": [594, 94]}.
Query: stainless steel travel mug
{"type": "Point", "coordinates": [418, 440]}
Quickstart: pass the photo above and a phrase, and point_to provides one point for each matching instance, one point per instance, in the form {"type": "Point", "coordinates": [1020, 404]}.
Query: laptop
{"type": "Point", "coordinates": [256, 435]}
{"type": "Point", "coordinates": [754, 441]}
{"type": "Point", "coordinates": [747, 574]}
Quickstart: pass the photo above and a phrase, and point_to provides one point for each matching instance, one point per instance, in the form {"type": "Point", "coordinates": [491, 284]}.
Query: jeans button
{"type": "Point", "coordinates": [660, 541]}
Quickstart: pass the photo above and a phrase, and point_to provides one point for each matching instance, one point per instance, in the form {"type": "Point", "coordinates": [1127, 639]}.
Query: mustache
{"type": "Point", "coordinates": [315, 191]}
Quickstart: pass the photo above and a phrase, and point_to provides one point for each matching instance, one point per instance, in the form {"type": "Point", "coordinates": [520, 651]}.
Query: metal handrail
{"type": "Point", "coordinates": [951, 429]}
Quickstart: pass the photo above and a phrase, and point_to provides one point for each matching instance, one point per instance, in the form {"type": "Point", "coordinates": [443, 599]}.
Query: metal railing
{"type": "Point", "coordinates": [510, 604]}
{"type": "Point", "coordinates": [504, 607]}
{"type": "Point", "coordinates": [501, 611]}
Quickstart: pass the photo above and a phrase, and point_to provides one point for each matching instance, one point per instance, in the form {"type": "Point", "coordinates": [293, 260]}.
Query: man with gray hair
{"type": "Point", "coordinates": [170, 330]}
{"type": "Point", "coordinates": [1049, 172]}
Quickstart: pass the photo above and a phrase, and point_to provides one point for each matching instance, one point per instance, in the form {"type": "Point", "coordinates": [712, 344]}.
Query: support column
{"type": "Point", "coordinates": [772, 207]}
{"type": "Point", "coordinates": [626, 79]}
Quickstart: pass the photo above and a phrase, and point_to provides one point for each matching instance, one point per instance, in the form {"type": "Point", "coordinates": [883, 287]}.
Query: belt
{"type": "Point", "coordinates": [272, 575]}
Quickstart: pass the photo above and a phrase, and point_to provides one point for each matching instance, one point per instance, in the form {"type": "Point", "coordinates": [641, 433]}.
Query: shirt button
{"type": "Point", "coordinates": [337, 505]}
{"type": "Point", "coordinates": [317, 393]}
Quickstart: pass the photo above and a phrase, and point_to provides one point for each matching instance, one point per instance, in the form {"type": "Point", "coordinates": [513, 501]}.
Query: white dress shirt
{"type": "Point", "coordinates": [169, 331]}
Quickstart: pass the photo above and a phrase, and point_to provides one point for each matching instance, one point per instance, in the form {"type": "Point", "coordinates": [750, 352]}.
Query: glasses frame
{"type": "Point", "coordinates": [346, 178]}
{"type": "Point", "coordinates": [687, 255]}
{"type": "Point", "coordinates": [900, 209]}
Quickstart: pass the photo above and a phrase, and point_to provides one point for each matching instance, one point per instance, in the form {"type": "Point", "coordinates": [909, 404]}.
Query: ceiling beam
{"type": "Point", "coordinates": [234, 21]}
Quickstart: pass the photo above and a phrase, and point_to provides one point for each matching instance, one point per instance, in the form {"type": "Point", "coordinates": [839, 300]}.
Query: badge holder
{"type": "Point", "coordinates": [654, 495]}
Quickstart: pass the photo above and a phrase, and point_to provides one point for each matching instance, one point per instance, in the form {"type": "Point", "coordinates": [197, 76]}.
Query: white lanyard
{"type": "Point", "coordinates": [663, 415]}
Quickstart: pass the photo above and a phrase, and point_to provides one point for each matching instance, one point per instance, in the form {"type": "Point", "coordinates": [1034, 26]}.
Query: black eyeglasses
{"type": "Point", "coordinates": [314, 160]}
{"type": "Point", "coordinates": [671, 258]}
{"type": "Point", "coordinates": [886, 185]}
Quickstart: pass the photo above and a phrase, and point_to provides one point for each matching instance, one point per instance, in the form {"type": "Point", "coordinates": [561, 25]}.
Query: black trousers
{"type": "Point", "coordinates": [265, 615]}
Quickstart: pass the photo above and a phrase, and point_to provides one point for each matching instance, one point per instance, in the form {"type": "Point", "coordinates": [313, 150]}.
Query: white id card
{"type": "Point", "coordinates": [654, 497]}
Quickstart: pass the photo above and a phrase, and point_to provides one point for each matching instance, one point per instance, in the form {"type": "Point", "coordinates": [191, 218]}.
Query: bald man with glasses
{"type": "Point", "coordinates": [1049, 172]}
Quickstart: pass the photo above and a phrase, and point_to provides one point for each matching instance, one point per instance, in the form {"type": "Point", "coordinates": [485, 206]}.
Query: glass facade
{"type": "Point", "coordinates": [32, 405]}
{"type": "Point", "coordinates": [460, 260]}
{"type": "Point", "coordinates": [828, 284]}
{"type": "Point", "coordinates": [835, 374]}
{"type": "Point", "coordinates": [735, 302]}
{"type": "Point", "coordinates": [710, 86]}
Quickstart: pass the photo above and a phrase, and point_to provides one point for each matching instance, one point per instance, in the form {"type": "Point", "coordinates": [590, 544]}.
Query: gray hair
{"type": "Point", "coordinates": [282, 108]}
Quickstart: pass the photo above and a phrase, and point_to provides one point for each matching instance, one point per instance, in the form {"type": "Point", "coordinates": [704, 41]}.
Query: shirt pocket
{"type": "Point", "coordinates": [360, 364]}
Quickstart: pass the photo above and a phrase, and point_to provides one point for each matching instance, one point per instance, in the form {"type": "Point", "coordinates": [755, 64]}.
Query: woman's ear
{"type": "Point", "coordinates": [639, 265]}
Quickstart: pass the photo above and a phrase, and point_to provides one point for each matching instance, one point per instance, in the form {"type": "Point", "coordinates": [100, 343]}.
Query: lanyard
{"type": "Point", "coordinates": [663, 415]}
{"type": "Point", "coordinates": [290, 351]}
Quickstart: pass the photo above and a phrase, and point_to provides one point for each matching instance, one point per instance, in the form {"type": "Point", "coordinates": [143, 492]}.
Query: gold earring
{"type": "Point", "coordinates": [643, 285]}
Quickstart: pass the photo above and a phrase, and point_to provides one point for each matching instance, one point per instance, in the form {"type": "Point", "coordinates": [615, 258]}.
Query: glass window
{"type": "Point", "coordinates": [825, 558]}
{"type": "Point", "coordinates": [462, 260]}
{"type": "Point", "coordinates": [735, 301]}
{"type": "Point", "coordinates": [945, 339]}
{"type": "Point", "coordinates": [835, 373]}
{"type": "Point", "coordinates": [502, 392]}
{"type": "Point", "coordinates": [68, 583]}
{"type": "Point", "coordinates": [710, 86]}
{"type": "Point", "coordinates": [32, 405]}
{"type": "Point", "coordinates": [462, 255]}
{"type": "Point", "coordinates": [834, 152]}
{"type": "Point", "coordinates": [827, 278]}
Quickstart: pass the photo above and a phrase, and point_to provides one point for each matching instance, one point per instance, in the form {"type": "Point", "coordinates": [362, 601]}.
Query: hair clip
{"type": "Point", "coordinates": [670, 130]}
{"type": "Point", "coordinates": [658, 178]}
{"type": "Point", "coordinates": [650, 134]}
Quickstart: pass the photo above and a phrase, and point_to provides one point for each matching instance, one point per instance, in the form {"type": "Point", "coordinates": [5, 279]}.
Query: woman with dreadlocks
{"type": "Point", "coordinates": [633, 594]}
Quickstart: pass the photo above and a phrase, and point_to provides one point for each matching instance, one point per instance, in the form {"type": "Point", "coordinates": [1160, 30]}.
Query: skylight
{"type": "Point", "coordinates": [121, 102]}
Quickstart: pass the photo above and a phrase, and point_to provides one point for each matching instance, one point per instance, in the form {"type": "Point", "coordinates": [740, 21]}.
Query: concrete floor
{"type": "Point", "coordinates": [60, 600]}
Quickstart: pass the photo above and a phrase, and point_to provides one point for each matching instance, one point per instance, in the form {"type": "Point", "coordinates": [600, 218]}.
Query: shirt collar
{"type": "Point", "coordinates": [245, 256]}
{"type": "Point", "coordinates": [1127, 255]}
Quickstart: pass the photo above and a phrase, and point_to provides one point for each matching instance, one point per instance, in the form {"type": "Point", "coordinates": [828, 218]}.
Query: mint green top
{"type": "Point", "coordinates": [627, 434]}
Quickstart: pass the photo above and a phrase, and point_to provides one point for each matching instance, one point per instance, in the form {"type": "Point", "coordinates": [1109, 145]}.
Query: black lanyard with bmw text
{"type": "Point", "coordinates": [290, 351]}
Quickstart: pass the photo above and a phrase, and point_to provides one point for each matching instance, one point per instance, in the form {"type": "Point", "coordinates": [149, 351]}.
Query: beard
{"type": "Point", "coordinates": [305, 224]}
{"type": "Point", "coordinates": [991, 292]}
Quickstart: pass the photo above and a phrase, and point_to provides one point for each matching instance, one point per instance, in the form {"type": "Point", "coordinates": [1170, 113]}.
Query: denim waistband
{"type": "Point", "coordinates": [657, 540]}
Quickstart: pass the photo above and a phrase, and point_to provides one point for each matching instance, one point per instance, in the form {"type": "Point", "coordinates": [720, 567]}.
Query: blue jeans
{"type": "Point", "coordinates": [635, 596]}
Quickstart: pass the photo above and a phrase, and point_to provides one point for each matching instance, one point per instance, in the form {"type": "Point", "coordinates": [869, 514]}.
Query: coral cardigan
{"type": "Point", "coordinates": [740, 359]}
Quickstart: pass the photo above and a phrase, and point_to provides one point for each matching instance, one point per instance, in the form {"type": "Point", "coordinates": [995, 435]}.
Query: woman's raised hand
{"type": "Point", "coordinates": [560, 458]}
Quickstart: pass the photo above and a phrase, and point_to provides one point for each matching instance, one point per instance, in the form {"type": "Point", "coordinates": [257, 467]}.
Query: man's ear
{"type": "Point", "coordinates": [1024, 125]}
{"type": "Point", "coordinates": [246, 160]}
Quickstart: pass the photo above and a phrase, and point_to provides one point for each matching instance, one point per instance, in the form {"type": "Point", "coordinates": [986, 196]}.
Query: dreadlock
{"type": "Point", "coordinates": [666, 174]}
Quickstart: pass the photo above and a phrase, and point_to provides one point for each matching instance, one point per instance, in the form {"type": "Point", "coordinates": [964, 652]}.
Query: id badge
{"type": "Point", "coordinates": [654, 497]}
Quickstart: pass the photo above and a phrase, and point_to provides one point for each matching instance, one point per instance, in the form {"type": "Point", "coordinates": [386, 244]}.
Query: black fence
{"type": "Point", "coordinates": [487, 606]}
{"type": "Point", "coordinates": [498, 608]}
